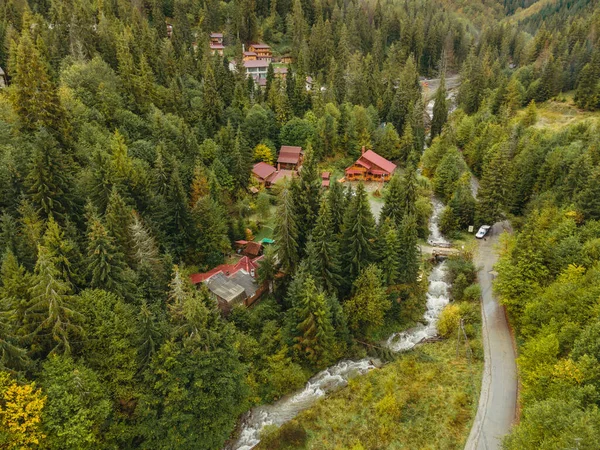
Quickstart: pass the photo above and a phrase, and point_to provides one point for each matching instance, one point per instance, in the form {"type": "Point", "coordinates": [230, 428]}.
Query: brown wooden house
{"type": "Point", "coordinates": [370, 167]}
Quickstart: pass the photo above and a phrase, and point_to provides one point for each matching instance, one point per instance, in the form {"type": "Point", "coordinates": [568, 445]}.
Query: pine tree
{"type": "Point", "coordinates": [34, 95]}
{"type": "Point", "coordinates": [492, 194]}
{"type": "Point", "coordinates": [306, 193]}
{"type": "Point", "coordinates": [212, 105]}
{"type": "Point", "coordinates": [314, 338]}
{"type": "Point", "coordinates": [145, 250]}
{"type": "Point", "coordinates": [407, 143]}
{"type": "Point", "coordinates": [366, 309]}
{"type": "Point", "coordinates": [337, 206]}
{"type": "Point", "coordinates": [393, 198]}
{"type": "Point", "coordinates": [409, 251]}
{"type": "Point", "coordinates": [48, 180]}
{"type": "Point", "coordinates": [323, 253]}
{"type": "Point", "coordinates": [14, 284]}
{"type": "Point", "coordinates": [358, 235]}
{"type": "Point", "coordinates": [589, 198]}
{"type": "Point", "coordinates": [62, 252]}
{"type": "Point", "coordinates": [390, 262]}
{"type": "Point", "coordinates": [462, 202]}
{"type": "Point", "coordinates": [440, 109]}
{"type": "Point", "coordinates": [106, 267]}
{"type": "Point", "coordinates": [119, 218]}
{"type": "Point", "coordinates": [286, 231]}
{"type": "Point", "coordinates": [51, 309]}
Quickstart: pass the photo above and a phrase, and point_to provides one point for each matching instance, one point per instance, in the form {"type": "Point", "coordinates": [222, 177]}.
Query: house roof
{"type": "Point", "coordinates": [325, 175]}
{"type": "Point", "coordinates": [256, 63]}
{"type": "Point", "coordinates": [253, 249]}
{"type": "Point", "coordinates": [225, 288]}
{"type": "Point", "coordinates": [281, 174]}
{"type": "Point", "coordinates": [289, 154]}
{"type": "Point", "coordinates": [227, 270]}
{"type": "Point", "coordinates": [263, 170]}
{"type": "Point", "coordinates": [216, 35]}
{"type": "Point", "coordinates": [281, 70]}
{"type": "Point", "coordinates": [217, 46]}
{"type": "Point", "coordinates": [249, 53]}
{"type": "Point", "coordinates": [245, 281]}
{"type": "Point", "coordinates": [325, 183]}
{"type": "Point", "coordinates": [260, 46]}
{"type": "Point", "coordinates": [379, 161]}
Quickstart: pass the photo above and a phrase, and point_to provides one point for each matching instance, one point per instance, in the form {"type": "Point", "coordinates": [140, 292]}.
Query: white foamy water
{"type": "Point", "coordinates": [337, 376]}
{"type": "Point", "coordinates": [437, 299]}
{"type": "Point", "coordinates": [436, 238]}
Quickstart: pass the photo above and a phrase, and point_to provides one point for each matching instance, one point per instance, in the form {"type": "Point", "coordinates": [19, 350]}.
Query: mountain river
{"type": "Point", "coordinates": [337, 376]}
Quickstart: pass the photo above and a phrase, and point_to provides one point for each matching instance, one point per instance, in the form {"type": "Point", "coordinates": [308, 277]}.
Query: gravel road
{"type": "Point", "coordinates": [498, 401]}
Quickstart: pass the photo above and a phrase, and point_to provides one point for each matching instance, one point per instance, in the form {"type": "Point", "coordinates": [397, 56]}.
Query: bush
{"type": "Point", "coordinates": [472, 293]}
{"type": "Point", "coordinates": [458, 287]}
{"type": "Point", "coordinates": [290, 435]}
{"type": "Point", "coordinates": [449, 321]}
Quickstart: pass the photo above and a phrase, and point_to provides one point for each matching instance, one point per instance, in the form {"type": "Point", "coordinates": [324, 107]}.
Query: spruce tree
{"type": "Point", "coordinates": [358, 235]}
{"type": "Point", "coordinates": [119, 218]}
{"type": "Point", "coordinates": [106, 267]}
{"type": "Point", "coordinates": [337, 206]}
{"type": "Point", "coordinates": [34, 94]}
{"type": "Point", "coordinates": [390, 262]}
{"type": "Point", "coordinates": [51, 310]}
{"type": "Point", "coordinates": [286, 231]}
{"type": "Point", "coordinates": [492, 194]}
{"type": "Point", "coordinates": [393, 201]}
{"type": "Point", "coordinates": [49, 179]}
{"type": "Point", "coordinates": [323, 252]}
{"type": "Point", "coordinates": [314, 332]}
{"type": "Point", "coordinates": [367, 307]}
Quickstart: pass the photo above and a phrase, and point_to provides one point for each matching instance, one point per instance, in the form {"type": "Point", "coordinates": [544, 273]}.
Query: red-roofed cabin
{"type": "Point", "coordinates": [290, 158]}
{"type": "Point", "coordinates": [370, 167]}
{"type": "Point", "coordinates": [231, 284]}
{"type": "Point", "coordinates": [262, 172]}
{"type": "Point", "coordinates": [325, 176]}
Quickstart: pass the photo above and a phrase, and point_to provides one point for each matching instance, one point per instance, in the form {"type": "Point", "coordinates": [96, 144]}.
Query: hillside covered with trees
{"type": "Point", "coordinates": [127, 147]}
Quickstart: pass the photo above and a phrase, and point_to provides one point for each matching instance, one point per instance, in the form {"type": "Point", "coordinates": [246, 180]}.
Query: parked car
{"type": "Point", "coordinates": [483, 231]}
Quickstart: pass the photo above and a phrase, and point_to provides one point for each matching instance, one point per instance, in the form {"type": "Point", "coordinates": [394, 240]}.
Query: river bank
{"type": "Point", "coordinates": [338, 375]}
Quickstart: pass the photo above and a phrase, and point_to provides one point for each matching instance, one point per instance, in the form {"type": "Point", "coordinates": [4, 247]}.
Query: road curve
{"type": "Point", "coordinates": [498, 399]}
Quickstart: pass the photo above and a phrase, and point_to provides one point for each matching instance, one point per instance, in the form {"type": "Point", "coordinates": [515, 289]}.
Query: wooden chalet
{"type": "Point", "coordinates": [370, 167]}
{"type": "Point", "coordinates": [290, 158]}
{"type": "Point", "coordinates": [263, 51]}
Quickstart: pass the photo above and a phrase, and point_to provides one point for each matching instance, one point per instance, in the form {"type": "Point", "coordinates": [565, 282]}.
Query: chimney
{"type": "Point", "coordinates": [362, 152]}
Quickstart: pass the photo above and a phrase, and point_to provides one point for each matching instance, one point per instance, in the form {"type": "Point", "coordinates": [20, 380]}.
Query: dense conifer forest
{"type": "Point", "coordinates": [127, 145]}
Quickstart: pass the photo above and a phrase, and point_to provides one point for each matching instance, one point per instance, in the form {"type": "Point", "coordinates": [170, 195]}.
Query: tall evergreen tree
{"type": "Point", "coordinates": [49, 179]}
{"type": "Point", "coordinates": [314, 332]}
{"type": "Point", "coordinates": [51, 310]}
{"type": "Point", "coordinates": [286, 231]}
{"type": "Point", "coordinates": [34, 94]}
{"type": "Point", "coordinates": [358, 235]}
{"type": "Point", "coordinates": [323, 253]}
{"type": "Point", "coordinates": [409, 251]}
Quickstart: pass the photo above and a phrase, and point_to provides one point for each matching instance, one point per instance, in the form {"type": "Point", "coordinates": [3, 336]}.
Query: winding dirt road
{"type": "Point", "coordinates": [498, 400]}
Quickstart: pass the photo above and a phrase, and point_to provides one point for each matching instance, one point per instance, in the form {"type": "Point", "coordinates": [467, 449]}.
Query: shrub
{"type": "Point", "coordinates": [472, 293]}
{"type": "Point", "coordinates": [449, 321]}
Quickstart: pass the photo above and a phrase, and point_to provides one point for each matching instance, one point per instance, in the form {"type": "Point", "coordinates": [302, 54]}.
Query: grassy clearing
{"type": "Point", "coordinates": [426, 399]}
{"type": "Point", "coordinates": [559, 113]}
